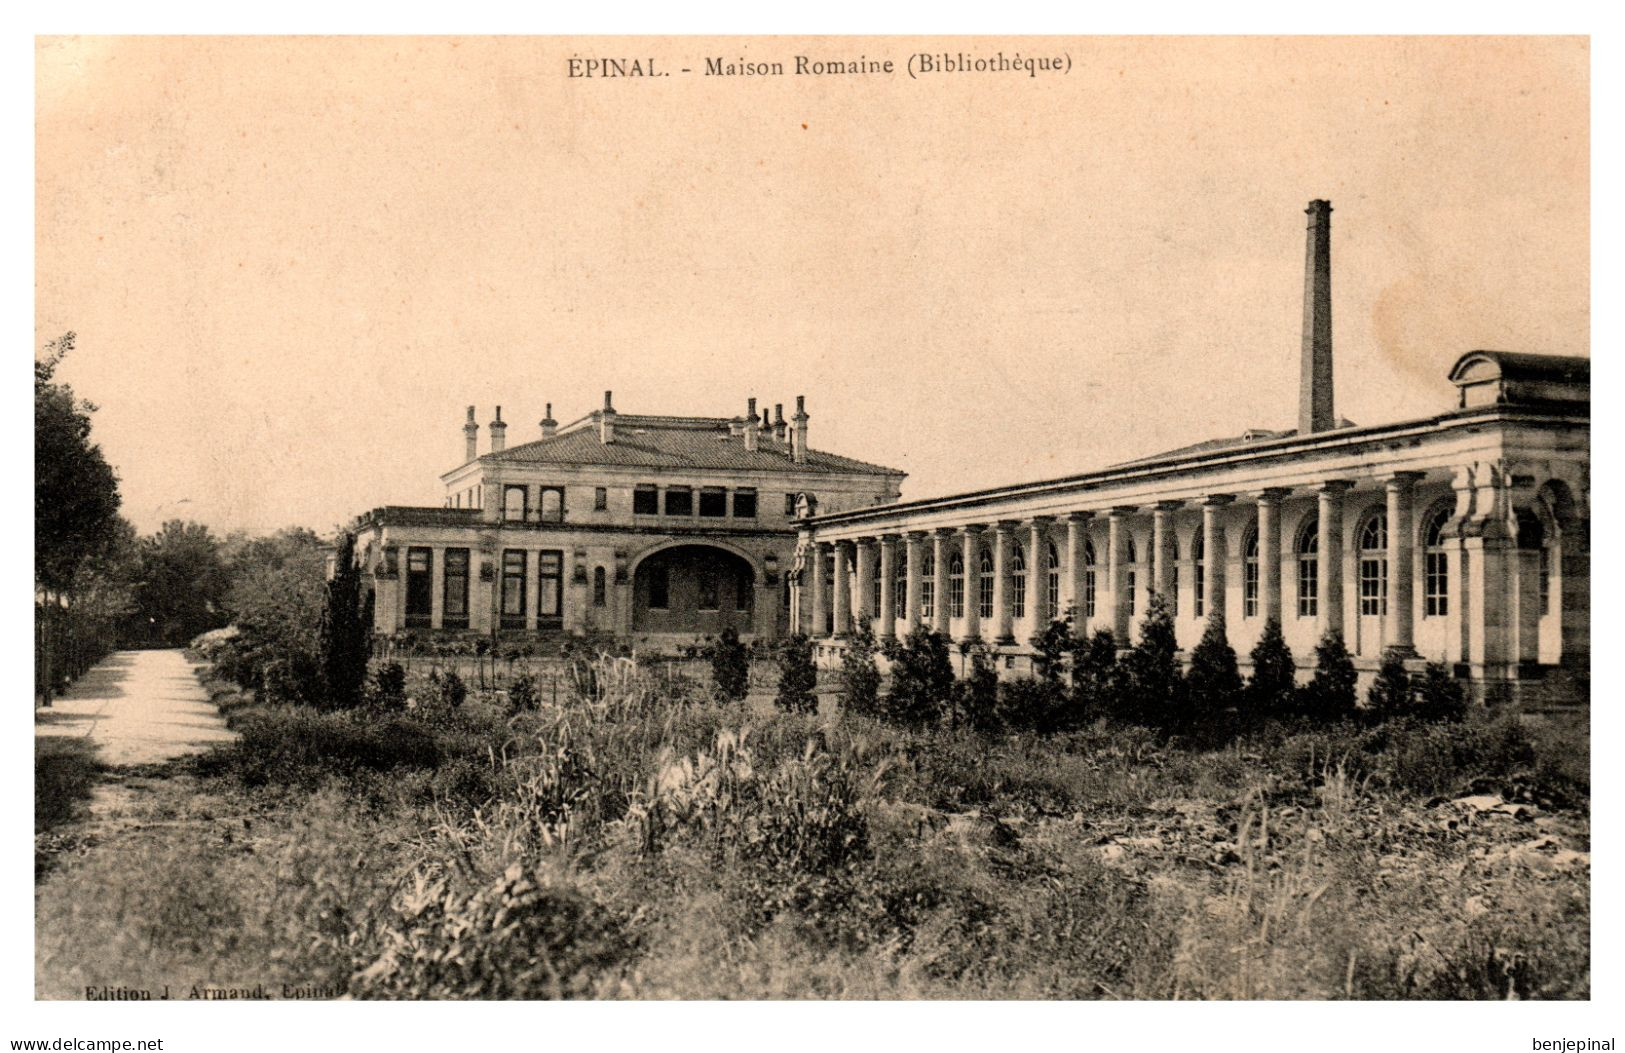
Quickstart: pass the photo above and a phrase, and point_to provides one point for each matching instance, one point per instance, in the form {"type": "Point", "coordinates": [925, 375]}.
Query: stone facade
{"type": "Point", "coordinates": [634, 526]}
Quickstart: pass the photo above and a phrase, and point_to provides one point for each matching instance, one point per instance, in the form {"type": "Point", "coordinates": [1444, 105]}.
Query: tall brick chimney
{"type": "Point", "coordinates": [550, 427]}
{"type": "Point", "coordinates": [471, 438]}
{"type": "Point", "coordinates": [751, 426]}
{"type": "Point", "coordinates": [779, 425]}
{"type": "Point", "coordinates": [499, 433]}
{"type": "Point", "coordinates": [1315, 411]}
{"type": "Point", "coordinates": [606, 421]}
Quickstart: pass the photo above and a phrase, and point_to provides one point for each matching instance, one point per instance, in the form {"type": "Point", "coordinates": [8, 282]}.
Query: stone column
{"type": "Point", "coordinates": [1330, 545]}
{"type": "Point", "coordinates": [843, 592]}
{"type": "Point", "coordinates": [1269, 552]}
{"type": "Point", "coordinates": [1077, 534]}
{"type": "Point", "coordinates": [437, 582]}
{"type": "Point", "coordinates": [816, 553]}
{"type": "Point", "coordinates": [1214, 553]}
{"type": "Point", "coordinates": [1401, 492]}
{"type": "Point", "coordinates": [1117, 537]}
{"type": "Point", "coordinates": [1038, 573]}
{"type": "Point", "coordinates": [865, 584]}
{"type": "Point", "coordinates": [888, 586]}
{"type": "Point", "coordinates": [1002, 633]}
{"type": "Point", "coordinates": [914, 557]}
{"type": "Point", "coordinates": [941, 613]}
{"type": "Point", "coordinates": [1162, 548]}
{"type": "Point", "coordinates": [970, 538]}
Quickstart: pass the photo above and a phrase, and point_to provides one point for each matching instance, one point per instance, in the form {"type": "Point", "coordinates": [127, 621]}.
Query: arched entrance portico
{"type": "Point", "coordinates": [693, 589]}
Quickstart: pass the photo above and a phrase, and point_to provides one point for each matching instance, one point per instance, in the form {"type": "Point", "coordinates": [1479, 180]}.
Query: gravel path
{"type": "Point", "coordinates": [136, 707]}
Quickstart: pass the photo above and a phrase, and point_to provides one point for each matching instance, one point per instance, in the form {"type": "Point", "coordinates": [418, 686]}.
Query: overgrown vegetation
{"type": "Point", "coordinates": [648, 836]}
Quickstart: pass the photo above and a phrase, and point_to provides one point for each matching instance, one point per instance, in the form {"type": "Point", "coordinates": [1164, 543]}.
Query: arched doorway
{"type": "Point", "coordinates": [693, 589]}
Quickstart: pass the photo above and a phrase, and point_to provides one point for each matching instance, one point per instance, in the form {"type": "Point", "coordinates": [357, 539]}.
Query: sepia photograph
{"type": "Point", "coordinates": [895, 519]}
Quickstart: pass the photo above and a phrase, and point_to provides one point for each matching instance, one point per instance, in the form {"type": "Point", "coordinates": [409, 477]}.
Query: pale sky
{"type": "Point", "coordinates": [292, 263]}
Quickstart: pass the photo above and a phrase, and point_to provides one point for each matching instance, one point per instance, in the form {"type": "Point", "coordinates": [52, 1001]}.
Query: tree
{"type": "Point", "coordinates": [798, 676]}
{"type": "Point", "coordinates": [183, 584]}
{"type": "Point", "coordinates": [1154, 690]}
{"type": "Point", "coordinates": [730, 666]}
{"type": "Point", "coordinates": [1439, 696]}
{"type": "Point", "coordinates": [278, 586]}
{"type": "Point", "coordinates": [1271, 691]}
{"type": "Point", "coordinates": [76, 528]}
{"type": "Point", "coordinates": [1390, 693]}
{"type": "Point", "coordinates": [1214, 679]}
{"type": "Point", "coordinates": [1329, 695]}
{"type": "Point", "coordinates": [76, 498]}
{"type": "Point", "coordinates": [922, 677]}
{"type": "Point", "coordinates": [346, 633]}
{"type": "Point", "coordinates": [977, 704]}
{"type": "Point", "coordinates": [1095, 676]}
{"type": "Point", "coordinates": [860, 678]}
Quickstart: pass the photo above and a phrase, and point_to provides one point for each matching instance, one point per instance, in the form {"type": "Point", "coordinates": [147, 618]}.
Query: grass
{"type": "Point", "coordinates": [634, 844]}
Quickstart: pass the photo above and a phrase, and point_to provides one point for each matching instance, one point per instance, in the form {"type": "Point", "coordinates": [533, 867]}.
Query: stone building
{"type": "Point", "coordinates": [1461, 537]}
{"type": "Point", "coordinates": [669, 528]}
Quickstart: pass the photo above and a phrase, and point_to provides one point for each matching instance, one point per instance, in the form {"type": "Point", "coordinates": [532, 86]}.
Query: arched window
{"type": "Point", "coordinates": [1374, 565]}
{"type": "Point", "coordinates": [1198, 574]}
{"type": "Point", "coordinates": [1435, 565]}
{"type": "Point", "coordinates": [1130, 558]}
{"type": "Point", "coordinates": [1018, 583]}
{"type": "Point", "coordinates": [1307, 552]}
{"type": "Point", "coordinates": [1249, 575]}
{"type": "Point", "coordinates": [552, 504]}
{"type": "Point", "coordinates": [899, 589]}
{"type": "Point", "coordinates": [956, 586]}
{"type": "Point", "coordinates": [515, 503]}
{"type": "Point", "coordinates": [984, 592]}
{"type": "Point", "coordinates": [600, 587]}
{"type": "Point", "coordinates": [1088, 578]}
{"type": "Point", "coordinates": [1052, 583]}
{"type": "Point", "coordinates": [928, 588]}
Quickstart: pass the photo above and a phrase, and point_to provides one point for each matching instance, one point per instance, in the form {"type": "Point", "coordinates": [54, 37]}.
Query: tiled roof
{"type": "Point", "coordinates": [678, 443]}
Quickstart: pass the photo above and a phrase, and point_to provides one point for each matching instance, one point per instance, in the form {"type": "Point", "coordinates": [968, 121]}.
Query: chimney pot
{"type": "Point", "coordinates": [471, 437]}
{"type": "Point", "coordinates": [550, 427]}
{"type": "Point", "coordinates": [798, 437]}
{"type": "Point", "coordinates": [499, 433]}
{"type": "Point", "coordinates": [606, 421]}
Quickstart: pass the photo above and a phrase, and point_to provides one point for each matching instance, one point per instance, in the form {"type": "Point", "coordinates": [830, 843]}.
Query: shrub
{"type": "Point", "coordinates": [730, 666]}
{"type": "Point", "coordinates": [1031, 704]}
{"type": "Point", "coordinates": [1214, 681]}
{"type": "Point", "coordinates": [1153, 691]}
{"type": "Point", "coordinates": [515, 938]}
{"type": "Point", "coordinates": [300, 746]}
{"type": "Point", "coordinates": [1328, 698]}
{"type": "Point", "coordinates": [1094, 676]}
{"type": "Point", "coordinates": [389, 686]}
{"type": "Point", "coordinates": [1439, 696]}
{"type": "Point", "coordinates": [976, 703]}
{"type": "Point", "coordinates": [449, 688]}
{"type": "Point", "coordinates": [860, 677]}
{"type": "Point", "coordinates": [922, 678]}
{"type": "Point", "coordinates": [1271, 691]}
{"type": "Point", "coordinates": [798, 676]}
{"type": "Point", "coordinates": [1390, 694]}
{"type": "Point", "coordinates": [522, 694]}
{"type": "Point", "coordinates": [1050, 648]}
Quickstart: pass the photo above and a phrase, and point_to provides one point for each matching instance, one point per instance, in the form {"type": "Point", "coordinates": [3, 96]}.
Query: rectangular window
{"type": "Point", "coordinates": [713, 502]}
{"type": "Point", "coordinates": [645, 501]}
{"type": "Point", "coordinates": [513, 588]}
{"type": "Point", "coordinates": [1018, 593]}
{"type": "Point", "coordinates": [1249, 589]}
{"type": "Point", "coordinates": [1373, 586]}
{"type": "Point", "coordinates": [1545, 579]}
{"type": "Point", "coordinates": [1173, 592]}
{"type": "Point", "coordinates": [549, 584]}
{"type": "Point", "coordinates": [1199, 589]}
{"type": "Point", "coordinates": [600, 499]}
{"type": "Point", "coordinates": [790, 504]}
{"type": "Point", "coordinates": [1436, 583]}
{"type": "Point", "coordinates": [454, 601]}
{"type": "Point", "coordinates": [600, 587]}
{"type": "Point", "coordinates": [1131, 577]}
{"type": "Point", "coordinates": [659, 588]}
{"type": "Point", "coordinates": [419, 587]}
{"type": "Point", "coordinates": [552, 510]}
{"type": "Point", "coordinates": [679, 501]}
{"type": "Point", "coordinates": [1308, 586]}
{"type": "Point", "coordinates": [744, 504]}
{"type": "Point", "coordinates": [1089, 593]}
